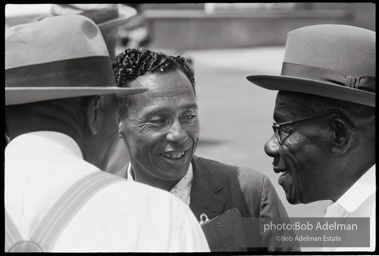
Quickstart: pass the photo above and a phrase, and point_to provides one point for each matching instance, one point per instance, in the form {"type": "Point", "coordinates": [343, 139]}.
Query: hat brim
{"type": "Point", "coordinates": [22, 95]}
{"type": "Point", "coordinates": [295, 84]}
{"type": "Point", "coordinates": [125, 14]}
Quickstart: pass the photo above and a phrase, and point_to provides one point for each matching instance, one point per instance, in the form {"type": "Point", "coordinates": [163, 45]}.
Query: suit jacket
{"type": "Point", "coordinates": [218, 187]}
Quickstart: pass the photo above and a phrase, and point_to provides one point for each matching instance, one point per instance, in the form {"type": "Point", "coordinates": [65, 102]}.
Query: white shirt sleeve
{"type": "Point", "coordinates": [192, 238]}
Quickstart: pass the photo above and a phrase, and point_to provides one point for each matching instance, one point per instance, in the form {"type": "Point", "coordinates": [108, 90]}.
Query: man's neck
{"type": "Point", "coordinates": [153, 181]}
{"type": "Point", "coordinates": [356, 174]}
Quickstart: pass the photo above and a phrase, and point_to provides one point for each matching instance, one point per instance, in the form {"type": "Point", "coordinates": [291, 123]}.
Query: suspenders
{"type": "Point", "coordinates": [49, 228]}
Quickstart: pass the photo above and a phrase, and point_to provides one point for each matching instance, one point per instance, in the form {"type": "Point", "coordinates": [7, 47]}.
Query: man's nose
{"type": "Point", "coordinates": [177, 133]}
{"type": "Point", "coordinates": [272, 147]}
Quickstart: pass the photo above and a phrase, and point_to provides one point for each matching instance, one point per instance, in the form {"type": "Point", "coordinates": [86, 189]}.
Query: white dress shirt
{"type": "Point", "coordinates": [357, 201]}
{"type": "Point", "coordinates": [40, 166]}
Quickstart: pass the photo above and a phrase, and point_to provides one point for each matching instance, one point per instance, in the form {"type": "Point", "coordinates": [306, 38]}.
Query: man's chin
{"type": "Point", "coordinates": [292, 200]}
{"type": "Point", "coordinates": [169, 173]}
{"type": "Point", "coordinates": [291, 196]}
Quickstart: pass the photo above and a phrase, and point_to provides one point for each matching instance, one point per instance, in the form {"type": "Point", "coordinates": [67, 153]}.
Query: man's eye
{"type": "Point", "coordinates": [157, 121]}
{"type": "Point", "coordinates": [281, 133]}
{"type": "Point", "coordinates": [189, 117]}
{"type": "Point", "coordinates": [286, 129]}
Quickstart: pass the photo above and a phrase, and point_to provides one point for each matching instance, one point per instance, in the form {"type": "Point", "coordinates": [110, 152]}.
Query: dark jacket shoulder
{"type": "Point", "coordinates": [248, 178]}
{"type": "Point", "coordinates": [241, 187]}
{"type": "Point", "coordinates": [218, 187]}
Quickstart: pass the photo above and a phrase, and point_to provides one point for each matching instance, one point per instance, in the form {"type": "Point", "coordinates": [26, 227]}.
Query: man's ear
{"type": "Point", "coordinates": [93, 113]}
{"type": "Point", "coordinates": [341, 134]}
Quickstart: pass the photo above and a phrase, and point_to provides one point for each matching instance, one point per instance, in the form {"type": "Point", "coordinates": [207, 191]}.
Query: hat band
{"type": "Point", "coordinates": [82, 72]}
{"type": "Point", "coordinates": [365, 83]}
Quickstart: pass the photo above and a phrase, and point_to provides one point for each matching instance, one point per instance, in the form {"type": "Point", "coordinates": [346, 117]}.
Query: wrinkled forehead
{"type": "Point", "coordinates": [170, 84]}
{"type": "Point", "coordinates": [287, 106]}
{"type": "Point", "coordinates": [165, 90]}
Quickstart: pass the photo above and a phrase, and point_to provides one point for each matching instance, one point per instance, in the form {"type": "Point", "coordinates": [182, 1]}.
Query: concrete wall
{"type": "Point", "coordinates": [186, 28]}
{"type": "Point", "coordinates": [363, 14]}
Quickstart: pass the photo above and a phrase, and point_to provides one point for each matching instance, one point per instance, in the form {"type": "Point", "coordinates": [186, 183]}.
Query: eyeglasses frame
{"type": "Point", "coordinates": [276, 127]}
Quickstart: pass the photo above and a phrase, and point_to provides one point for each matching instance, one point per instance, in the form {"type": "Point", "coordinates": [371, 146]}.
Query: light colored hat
{"type": "Point", "coordinates": [335, 61]}
{"type": "Point", "coordinates": [106, 16]}
{"type": "Point", "coordinates": [60, 57]}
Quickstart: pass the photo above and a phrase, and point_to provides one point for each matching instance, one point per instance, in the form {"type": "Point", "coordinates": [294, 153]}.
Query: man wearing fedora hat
{"type": "Point", "coordinates": [62, 120]}
{"type": "Point", "coordinates": [324, 130]}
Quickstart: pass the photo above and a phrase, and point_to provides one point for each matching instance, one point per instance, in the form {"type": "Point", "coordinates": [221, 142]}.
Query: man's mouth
{"type": "Point", "coordinates": [278, 165]}
{"type": "Point", "coordinates": [284, 173]}
{"type": "Point", "coordinates": [174, 155]}
{"type": "Point", "coordinates": [279, 170]}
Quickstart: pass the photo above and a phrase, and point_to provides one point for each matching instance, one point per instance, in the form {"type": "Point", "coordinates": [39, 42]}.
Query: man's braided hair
{"type": "Point", "coordinates": [133, 63]}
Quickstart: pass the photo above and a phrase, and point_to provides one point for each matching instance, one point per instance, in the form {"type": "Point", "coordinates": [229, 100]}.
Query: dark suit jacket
{"type": "Point", "coordinates": [218, 187]}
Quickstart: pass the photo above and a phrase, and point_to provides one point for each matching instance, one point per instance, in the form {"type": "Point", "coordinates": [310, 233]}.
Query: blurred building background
{"type": "Point", "coordinates": [226, 43]}
{"type": "Point", "coordinates": [220, 25]}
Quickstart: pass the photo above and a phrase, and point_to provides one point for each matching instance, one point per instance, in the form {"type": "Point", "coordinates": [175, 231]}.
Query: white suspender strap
{"type": "Point", "coordinates": [52, 224]}
{"type": "Point", "coordinates": [12, 235]}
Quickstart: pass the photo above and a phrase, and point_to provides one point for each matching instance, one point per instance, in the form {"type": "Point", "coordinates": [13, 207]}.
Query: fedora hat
{"type": "Point", "coordinates": [335, 61]}
{"type": "Point", "coordinates": [106, 16]}
{"type": "Point", "coordinates": [60, 57]}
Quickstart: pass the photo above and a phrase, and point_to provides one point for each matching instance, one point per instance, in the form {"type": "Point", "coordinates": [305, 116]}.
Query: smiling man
{"type": "Point", "coordinates": [324, 130]}
{"type": "Point", "coordinates": [161, 131]}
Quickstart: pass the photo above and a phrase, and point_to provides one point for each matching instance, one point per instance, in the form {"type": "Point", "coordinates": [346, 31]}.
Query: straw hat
{"type": "Point", "coordinates": [336, 61]}
{"type": "Point", "coordinates": [60, 57]}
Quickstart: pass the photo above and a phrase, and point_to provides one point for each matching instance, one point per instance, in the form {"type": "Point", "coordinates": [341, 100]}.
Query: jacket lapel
{"type": "Point", "coordinates": [204, 192]}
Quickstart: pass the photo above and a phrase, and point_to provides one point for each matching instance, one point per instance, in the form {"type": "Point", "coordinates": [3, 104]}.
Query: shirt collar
{"type": "Point", "coordinates": [42, 139]}
{"type": "Point", "coordinates": [357, 194]}
{"type": "Point", "coordinates": [129, 174]}
{"type": "Point", "coordinates": [182, 189]}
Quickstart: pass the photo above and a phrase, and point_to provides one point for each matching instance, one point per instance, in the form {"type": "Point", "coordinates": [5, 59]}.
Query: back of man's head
{"type": "Point", "coordinates": [62, 115]}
